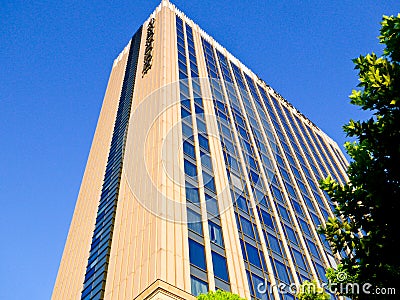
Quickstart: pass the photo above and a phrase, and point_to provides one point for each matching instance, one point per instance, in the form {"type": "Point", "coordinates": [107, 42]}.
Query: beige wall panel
{"type": "Point", "coordinates": [69, 282]}
{"type": "Point", "coordinates": [147, 245]}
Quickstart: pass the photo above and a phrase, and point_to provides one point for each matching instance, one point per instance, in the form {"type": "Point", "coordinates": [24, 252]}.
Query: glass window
{"type": "Point", "coordinates": [187, 131]}
{"type": "Point", "coordinates": [299, 259]}
{"type": "Point", "coordinates": [254, 176]}
{"type": "Point", "coordinates": [297, 207]}
{"type": "Point", "coordinates": [242, 244]}
{"type": "Point", "coordinates": [206, 160]}
{"type": "Point", "coordinates": [203, 141]}
{"type": "Point", "coordinates": [291, 235]}
{"type": "Point", "coordinates": [247, 145]}
{"type": "Point", "coordinates": [313, 248]}
{"type": "Point", "coordinates": [259, 286]}
{"type": "Point", "coordinates": [242, 203]}
{"type": "Point", "coordinates": [309, 202]}
{"type": "Point", "coordinates": [247, 227]}
{"type": "Point", "coordinates": [198, 286]}
{"type": "Point", "coordinates": [182, 66]}
{"type": "Point", "coordinates": [196, 254]}
{"type": "Point", "coordinates": [282, 272]}
{"type": "Point", "coordinates": [284, 213]}
{"type": "Point", "coordinates": [302, 187]}
{"type": "Point", "coordinates": [196, 88]}
{"type": "Point", "coordinates": [277, 193]}
{"type": "Point", "coordinates": [279, 159]}
{"type": "Point", "coordinates": [236, 182]}
{"type": "Point", "coordinates": [190, 169]}
{"type": "Point", "coordinates": [274, 244]}
{"type": "Point", "coordinates": [259, 195]}
{"type": "Point", "coordinates": [191, 49]}
{"type": "Point", "coordinates": [305, 227]}
{"type": "Point", "coordinates": [285, 174]}
{"type": "Point", "coordinates": [201, 126]}
{"type": "Point", "coordinates": [184, 88]}
{"type": "Point", "coordinates": [263, 201]}
{"type": "Point", "coordinates": [291, 190]}
{"type": "Point", "coordinates": [325, 213]}
{"type": "Point", "coordinates": [321, 272]}
{"type": "Point", "coordinates": [263, 262]}
{"type": "Point", "coordinates": [229, 146]}
{"type": "Point", "coordinates": [225, 129]}
{"type": "Point", "coordinates": [222, 115]}
{"type": "Point", "coordinates": [198, 109]}
{"type": "Point", "coordinates": [233, 163]}
{"type": "Point", "coordinates": [215, 233]}
{"type": "Point", "coordinates": [209, 181]}
{"type": "Point", "coordinates": [325, 241]}
{"type": "Point", "coordinates": [249, 282]}
{"type": "Point", "coordinates": [181, 49]}
{"type": "Point", "coordinates": [304, 278]}
{"type": "Point", "coordinates": [315, 218]}
{"type": "Point", "coordinates": [243, 133]}
{"type": "Point", "coordinates": [185, 114]}
{"type": "Point", "coordinates": [252, 253]}
{"type": "Point", "coordinates": [291, 160]}
{"type": "Point", "coordinates": [186, 103]}
{"type": "Point", "coordinates": [239, 120]}
{"type": "Point", "coordinates": [252, 162]}
{"type": "Point", "coordinates": [188, 149]}
{"type": "Point", "coordinates": [195, 72]}
{"type": "Point", "coordinates": [219, 266]}
{"type": "Point", "coordinates": [212, 205]}
{"type": "Point", "coordinates": [194, 221]}
{"type": "Point", "coordinates": [192, 193]}
{"type": "Point", "coordinates": [285, 147]}
{"type": "Point", "coordinates": [182, 75]}
{"type": "Point", "coordinates": [289, 297]}
{"type": "Point", "coordinates": [267, 220]}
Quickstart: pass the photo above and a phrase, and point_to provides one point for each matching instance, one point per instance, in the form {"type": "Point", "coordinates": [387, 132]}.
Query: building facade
{"type": "Point", "coordinates": [200, 177]}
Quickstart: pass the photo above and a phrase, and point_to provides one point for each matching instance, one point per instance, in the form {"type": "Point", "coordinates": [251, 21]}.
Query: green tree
{"type": "Point", "coordinates": [309, 290]}
{"type": "Point", "coordinates": [219, 295]}
{"type": "Point", "coordinates": [368, 205]}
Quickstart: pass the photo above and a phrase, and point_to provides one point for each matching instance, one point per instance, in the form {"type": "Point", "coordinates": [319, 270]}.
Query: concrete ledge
{"type": "Point", "coordinates": [161, 290]}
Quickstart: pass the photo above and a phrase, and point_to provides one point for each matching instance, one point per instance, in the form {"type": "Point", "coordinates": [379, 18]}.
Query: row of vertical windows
{"type": "Point", "coordinates": [281, 270]}
{"type": "Point", "coordinates": [196, 248]}
{"type": "Point", "coordinates": [281, 209]}
{"type": "Point", "coordinates": [196, 239]}
{"type": "Point", "coordinates": [304, 156]}
{"type": "Point", "coordinates": [230, 156]}
{"type": "Point", "coordinates": [251, 247]}
{"type": "Point", "coordinates": [309, 238]}
{"type": "Point", "coordinates": [316, 258]}
{"type": "Point", "coordinates": [303, 138]}
{"type": "Point", "coordinates": [299, 179]}
{"type": "Point", "coordinates": [253, 175]}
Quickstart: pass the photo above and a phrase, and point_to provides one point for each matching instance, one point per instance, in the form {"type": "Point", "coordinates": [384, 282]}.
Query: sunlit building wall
{"type": "Point", "coordinates": [200, 177]}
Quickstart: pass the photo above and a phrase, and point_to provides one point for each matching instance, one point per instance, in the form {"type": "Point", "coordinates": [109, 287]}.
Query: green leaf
{"type": "Point", "coordinates": [366, 223]}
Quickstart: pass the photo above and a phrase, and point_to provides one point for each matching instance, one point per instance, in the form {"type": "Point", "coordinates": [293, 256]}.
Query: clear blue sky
{"type": "Point", "coordinates": [55, 59]}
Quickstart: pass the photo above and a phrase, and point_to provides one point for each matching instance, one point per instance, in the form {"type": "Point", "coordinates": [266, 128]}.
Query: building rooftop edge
{"type": "Point", "coordinates": [209, 38]}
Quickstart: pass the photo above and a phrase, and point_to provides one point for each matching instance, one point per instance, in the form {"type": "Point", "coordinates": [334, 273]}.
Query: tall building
{"type": "Point", "coordinates": [200, 177]}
